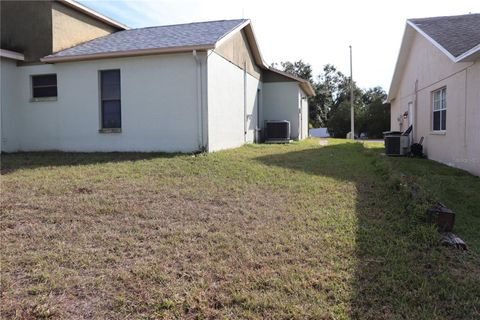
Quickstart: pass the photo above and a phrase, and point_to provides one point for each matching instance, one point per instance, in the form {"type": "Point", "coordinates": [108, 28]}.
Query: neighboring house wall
{"type": "Point", "coordinates": [458, 146]}
{"type": "Point", "coordinates": [158, 107]}
{"type": "Point", "coordinates": [70, 27]}
{"type": "Point", "coordinates": [229, 114]}
{"type": "Point", "coordinates": [281, 101]}
{"type": "Point", "coordinates": [237, 51]}
{"type": "Point", "coordinates": [38, 28]}
{"type": "Point", "coordinates": [26, 27]}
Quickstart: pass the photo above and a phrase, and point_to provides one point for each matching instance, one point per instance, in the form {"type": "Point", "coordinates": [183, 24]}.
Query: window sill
{"type": "Point", "coordinates": [43, 99]}
{"type": "Point", "coordinates": [438, 133]}
{"type": "Point", "coordinates": [110, 130]}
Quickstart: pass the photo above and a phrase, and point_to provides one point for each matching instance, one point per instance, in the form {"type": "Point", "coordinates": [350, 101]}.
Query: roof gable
{"type": "Point", "coordinates": [456, 35]}
{"type": "Point", "coordinates": [92, 13]}
{"type": "Point", "coordinates": [199, 35]}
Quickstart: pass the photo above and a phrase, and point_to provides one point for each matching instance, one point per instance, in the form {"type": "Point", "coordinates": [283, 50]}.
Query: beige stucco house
{"type": "Point", "coordinates": [436, 88]}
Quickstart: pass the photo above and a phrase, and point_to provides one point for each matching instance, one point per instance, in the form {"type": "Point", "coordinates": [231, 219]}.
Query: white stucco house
{"type": "Point", "coordinates": [177, 88]}
{"type": "Point", "coordinates": [436, 88]}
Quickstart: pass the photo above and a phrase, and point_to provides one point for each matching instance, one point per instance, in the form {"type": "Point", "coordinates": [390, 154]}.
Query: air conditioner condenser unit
{"type": "Point", "coordinates": [277, 131]}
{"type": "Point", "coordinates": [396, 144]}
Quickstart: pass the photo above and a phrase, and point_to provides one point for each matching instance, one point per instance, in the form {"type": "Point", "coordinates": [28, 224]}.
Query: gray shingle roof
{"type": "Point", "coordinates": [457, 34]}
{"type": "Point", "coordinates": [180, 35]}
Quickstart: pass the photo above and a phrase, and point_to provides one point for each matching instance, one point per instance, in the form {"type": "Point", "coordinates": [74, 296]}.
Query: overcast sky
{"type": "Point", "coordinates": [318, 32]}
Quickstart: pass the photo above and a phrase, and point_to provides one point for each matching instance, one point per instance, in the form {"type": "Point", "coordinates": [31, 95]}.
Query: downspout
{"type": "Point", "coordinates": [245, 102]}
{"type": "Point", "coordinates": [465, 115]}
{"type": "Point", "coordinates": [415, 107]}
{"type": "Point", "coordinates": [201, 145]}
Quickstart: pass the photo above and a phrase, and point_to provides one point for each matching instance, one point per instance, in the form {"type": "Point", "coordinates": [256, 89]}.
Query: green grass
{"type": "Point", "coordinates": [264, 231]}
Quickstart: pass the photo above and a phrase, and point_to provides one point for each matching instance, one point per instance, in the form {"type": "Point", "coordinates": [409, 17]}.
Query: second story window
{"type": "Point", "coordinates": [439, 98]}
{"type": "Point", "coordinates": [44, 86]}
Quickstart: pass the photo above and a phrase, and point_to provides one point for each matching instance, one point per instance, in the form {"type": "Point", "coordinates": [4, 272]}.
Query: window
{"type": "Point", "coordinates": [439, 109]}
{"type": "Point", "coordinates": [110, 99]}
{"type": "Point", "coordinates": [44, 86]}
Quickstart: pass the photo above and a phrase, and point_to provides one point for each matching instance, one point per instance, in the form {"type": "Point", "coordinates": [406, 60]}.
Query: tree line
{"type": "Point", "coordinates": [330, 107]}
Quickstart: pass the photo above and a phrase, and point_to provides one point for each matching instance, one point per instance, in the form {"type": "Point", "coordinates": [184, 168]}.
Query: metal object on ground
{"type": "Point", "coordinates": [452, 240]}
{"type": "Point", "coordinates": [443, 217]}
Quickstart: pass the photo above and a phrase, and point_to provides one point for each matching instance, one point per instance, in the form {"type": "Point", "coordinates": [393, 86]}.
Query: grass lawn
{"type": "Point", "coordinates": [264, 231]}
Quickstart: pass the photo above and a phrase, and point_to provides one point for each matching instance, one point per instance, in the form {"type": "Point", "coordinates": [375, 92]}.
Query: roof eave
{"type": "Point", "coordinates": [252, 40]}
{"type": "Point", "coordinates": [308, 89]}
{"type": "Point", "coordinates": [130, 53]}
{"type": "Point", "coordinates": [12, 55]}
{"type": "Point", "coordinates": [304, 84]}
{"type": "Point", "coordinates": [92, 13]}
{"type": "Point", "coordinates": [229, 34]}
{"type": "Point", "coordinates": [470, 55]}
{"type": "Point", "coordinates": [435, 43]}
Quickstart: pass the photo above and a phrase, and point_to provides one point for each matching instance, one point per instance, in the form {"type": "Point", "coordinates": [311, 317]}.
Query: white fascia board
{"type": "Point", "coordinates": [11, 55]}
{"type": "Point", "coordinates": [467, 54]}
{"type": "Point", "coordinates": [231, 33]}
{"type": "Point", "coordinates": [435, 43]}
{"type": "Point", "coordinates": [94, 14]}
{"type": "Point", "coordinates": [460, 58]}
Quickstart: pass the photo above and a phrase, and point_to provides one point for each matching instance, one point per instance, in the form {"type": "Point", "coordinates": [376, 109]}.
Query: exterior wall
{"type": "Point", "coordinates": [228, 112]}
{"type": "Point", "coordinates": [26, 27]}
{"type": "Point", "coordinates": [281, 101]}
{"type": "Point", "coordinates": [458, 146]}
{"type": "Point", "coordinates": [158, 103]}
{"type": "Point", "coordinates": [38, 28]}
{"type": "Point", "coordinates": [237, 51]}
{"type": "Point", "coordinates": [8, 86]}
{"type": "Point", "coordinates": [70, 27]}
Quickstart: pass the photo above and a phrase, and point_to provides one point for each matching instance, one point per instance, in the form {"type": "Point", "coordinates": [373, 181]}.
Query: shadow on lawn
{"type": "Point", "coordinates": [399, 271]}
{"type": "Point", "coordinates": [11, 162]}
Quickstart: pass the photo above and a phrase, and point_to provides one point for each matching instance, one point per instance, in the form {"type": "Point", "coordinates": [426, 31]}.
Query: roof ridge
{"type": "Point", "coordinates": [437, 17]}
{"type": "Point", "coordinates": [185, 24]}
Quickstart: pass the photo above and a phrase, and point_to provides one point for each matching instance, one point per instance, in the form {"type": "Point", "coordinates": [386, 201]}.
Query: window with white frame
{"type": "Point", "coordinates": [439, 99]}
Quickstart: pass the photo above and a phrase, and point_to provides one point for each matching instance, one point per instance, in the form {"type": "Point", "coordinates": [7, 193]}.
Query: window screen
{"type": "Point", "coordinates": [44, 86]}
{"type": "Point", "coordinates": [110, 99]}
{"type": "Point", "coordinates": [439, 109]}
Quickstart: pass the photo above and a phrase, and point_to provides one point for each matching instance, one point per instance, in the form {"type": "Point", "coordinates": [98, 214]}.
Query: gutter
{"type": "Point", "coordinates": [128, 53]}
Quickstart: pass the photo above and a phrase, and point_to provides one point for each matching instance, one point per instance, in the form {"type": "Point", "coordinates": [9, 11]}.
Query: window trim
{"type": "Point", "coordinates": [41, 99]}
{"type": "Point", "coordinates": [442, 108]}
{"type": "Point", "coordinates": [101, 100]}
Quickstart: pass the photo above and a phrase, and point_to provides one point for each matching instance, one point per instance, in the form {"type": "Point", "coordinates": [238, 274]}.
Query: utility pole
{"type": "Point", "coordinates": [352, 127]}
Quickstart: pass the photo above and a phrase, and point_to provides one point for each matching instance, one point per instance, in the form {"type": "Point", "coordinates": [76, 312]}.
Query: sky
{"type": "Point", "coordinates": [318, 32]}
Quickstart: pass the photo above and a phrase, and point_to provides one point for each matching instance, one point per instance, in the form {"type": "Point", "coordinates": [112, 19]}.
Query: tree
{"type": "Point", "coordinates": [298, 68]}
{"type": "Point", "coordinates": [376, 118]}
{"type": "Point", "coordinates": [330, 107]}
{"type": "Point", "coordinates": [336, 88]}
